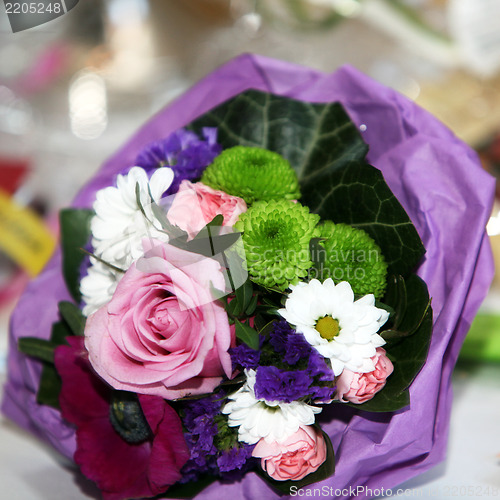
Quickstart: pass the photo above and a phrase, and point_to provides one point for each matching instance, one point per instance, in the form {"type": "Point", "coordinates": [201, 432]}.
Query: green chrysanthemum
{"type": "Point", "coordinates": [350, 255]}
{"type": "Point", "coordinates": [276, 237]}
{"type": "Point", "coordinates": [252, 174]}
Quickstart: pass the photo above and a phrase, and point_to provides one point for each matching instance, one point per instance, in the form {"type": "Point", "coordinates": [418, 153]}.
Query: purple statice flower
{"type": "Point", "coordinates": [244, 356]}
{"type": "Point", "coordinates": [321, 394]}
{"type": "Point", "coordinates": [312, 378]}
{"type": "Point", "coordinates": [285, 340]}
{"type": "Point", "coordinates": [235, 458]}
{"type": "Point", "coordinates": [196, 408]}
{"type": "Point", "coordinates": [273, 384]}
{"type": "Point", "coordinates": [184, 152]}
{"type": "Point", "coordinates": [318, 367]}
{"type": "Point", "coordinates": [279, 335]}
{"type": "Point", "coordinates": [201, 429]}
{"type": "Point", "coordinates": [191, 472]}
{"type": "Point", "coordinates": [296, 348]}
{"type": "Point", "coordinates": [199, 418]}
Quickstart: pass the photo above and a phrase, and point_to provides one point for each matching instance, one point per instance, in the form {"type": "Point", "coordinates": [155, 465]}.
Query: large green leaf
{"type": "Point", "coordinates": [75, 233]}
{"type": "Point", "coordinates": [327, 151]}
{"type": "Point", "coordinates": [358, 195]}
{"type": "Point", "coordinates": [411, 311]}
{"type": "Point", "coordinates": [314, 138]}
{"type": "Point", "coordinates": [407, 352]}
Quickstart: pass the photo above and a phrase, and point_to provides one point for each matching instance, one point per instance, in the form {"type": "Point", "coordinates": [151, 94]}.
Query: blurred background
{"type": "Point", "coordinates": [74, 89]}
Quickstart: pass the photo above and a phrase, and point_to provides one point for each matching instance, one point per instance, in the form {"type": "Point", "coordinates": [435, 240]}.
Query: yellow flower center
{"type": "Point", "coordinates": [328, 327]}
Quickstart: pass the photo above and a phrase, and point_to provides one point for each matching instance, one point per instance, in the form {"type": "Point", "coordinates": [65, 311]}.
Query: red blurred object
{"type": "Point", "coordinates": [12, 173]}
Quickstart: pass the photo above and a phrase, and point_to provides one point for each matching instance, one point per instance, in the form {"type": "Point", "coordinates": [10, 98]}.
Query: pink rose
{"type": "Point", "coordinates": [195, 205]}
{"type": "Point", "coordinates": [162, 333]}
{"type": "Point", "coordinates": [360, 387]}
{"type": "Point", "coordinates": [295, 458]}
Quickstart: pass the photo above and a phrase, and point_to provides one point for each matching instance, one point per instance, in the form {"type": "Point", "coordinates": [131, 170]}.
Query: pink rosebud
{"type": "Point", "coordinates": [195, 205]}
{"type": "Point", "coordinates": [295, 458]}
{"type": "Point", "coordinates": [360, 387]}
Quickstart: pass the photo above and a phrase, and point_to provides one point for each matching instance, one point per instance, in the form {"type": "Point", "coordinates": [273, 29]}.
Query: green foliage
{"type": "Point", "coordinates": [408, 337]}
{"type": "Point", "coordinates": [73, 317]}
{"type": "Point", "coordinates": [345, 253]}
{"type": "Point", "coordinates": [358, 195]}
{"type": "Point", "coordinates": [314, 138]}
{"type": "Point", "coordinates": [75, 234]}
{"type": "Point", "coordinates": [328, 154]}
{"type": "Point", "coordinates": [252, 174]}
{"type": "Point", "coordinates": [276, 237]}
{"type": "Point", "coordinates": [247, 334]}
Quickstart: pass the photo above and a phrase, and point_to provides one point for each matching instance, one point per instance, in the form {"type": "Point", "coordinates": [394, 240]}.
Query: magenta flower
{"type": "Point", "coordinates": [120, 469]}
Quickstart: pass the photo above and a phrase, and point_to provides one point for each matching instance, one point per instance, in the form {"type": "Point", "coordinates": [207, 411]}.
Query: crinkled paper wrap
{"type": "Point", "coordinates": [438, 180]}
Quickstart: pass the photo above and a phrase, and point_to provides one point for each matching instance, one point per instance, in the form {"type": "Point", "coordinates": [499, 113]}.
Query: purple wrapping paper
{"type": "Point", "coordinates": [438, 180]}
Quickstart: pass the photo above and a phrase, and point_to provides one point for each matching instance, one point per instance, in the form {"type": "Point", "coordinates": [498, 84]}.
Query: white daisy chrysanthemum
{"type": "Point", "coordinates": [337, 326]}
{"type": "Point", "coordinates": [98, 286]}
{"type": "Point", "coordinates": [119, 225]}
{"type": "Point", "coordinates": [258, 418]}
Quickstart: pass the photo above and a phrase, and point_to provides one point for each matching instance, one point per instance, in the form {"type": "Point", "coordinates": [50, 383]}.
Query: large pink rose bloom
{"type": "Point", "coordinates": [195, 205]}
{"type": "Point", "coordinates": [360, 387]}
{"type": "Point", "coordinates": [162, 333]}
{"type": "Point", "coordinates": [299, 455]}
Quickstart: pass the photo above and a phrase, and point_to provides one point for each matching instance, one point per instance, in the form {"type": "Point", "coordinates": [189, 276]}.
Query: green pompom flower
{"type": "Point", "coordinates": [276, 237]}
{"type": "Point", "coordinates": [349, 254]}
{"type": "Point", "coordinates": [252, 174]}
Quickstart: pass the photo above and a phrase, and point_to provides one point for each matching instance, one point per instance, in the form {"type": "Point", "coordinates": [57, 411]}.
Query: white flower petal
{"type": "Point", "coordinates": [97, 287]}
{"type": "Point", "coordinates": [119, 226]}
{"type": "Point", "coordinates": [359, 322]}
{"type": "Point", "coordinates": [258, 418]}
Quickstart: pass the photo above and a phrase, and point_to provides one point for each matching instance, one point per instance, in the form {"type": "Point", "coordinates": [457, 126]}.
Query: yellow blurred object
{"type": "Point", "coordinates": [24, 236]}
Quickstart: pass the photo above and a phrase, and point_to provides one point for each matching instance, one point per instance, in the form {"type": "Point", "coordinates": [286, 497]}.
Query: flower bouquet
{"type": "Point", "coordinates": [241, 300]}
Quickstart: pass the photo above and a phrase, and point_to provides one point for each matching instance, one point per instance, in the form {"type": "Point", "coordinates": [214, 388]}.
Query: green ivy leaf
{"type": "Point", "coordinates": [358, 195]}
{"type": "Point", "coordinates": [417, 303]}
{"type": "Point", "coordinates": [408, 355]}
{"type": "Point", "coordinates": [247, 335]}
{"type": "Point", "coordinates": [75, 233]}
{"type": "Point", "coordinates": [326, 150]}
{"type": "Point", "coordinates": [326, 470]}
{"type": "Point", "coordinates": [395, 297]}
{"type": "Point", "coordinates": [73, 317]}
{"type": "Point", "coordinates": [314, 138]}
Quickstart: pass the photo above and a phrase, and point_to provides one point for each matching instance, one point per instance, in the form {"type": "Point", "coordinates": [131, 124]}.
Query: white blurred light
{"type": "Point", "coordinates": [493, 226]}
{"type": "Point", "coordinates": [127, 11]}
{"type": "Point", "coordinates": [346, 8]}
{"type": "Point", "coordinates": [15, 114]}
{"type": "Point", "coordinates": [88, 108]}
{"type": "Point", "coordinates": [251, 22]}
